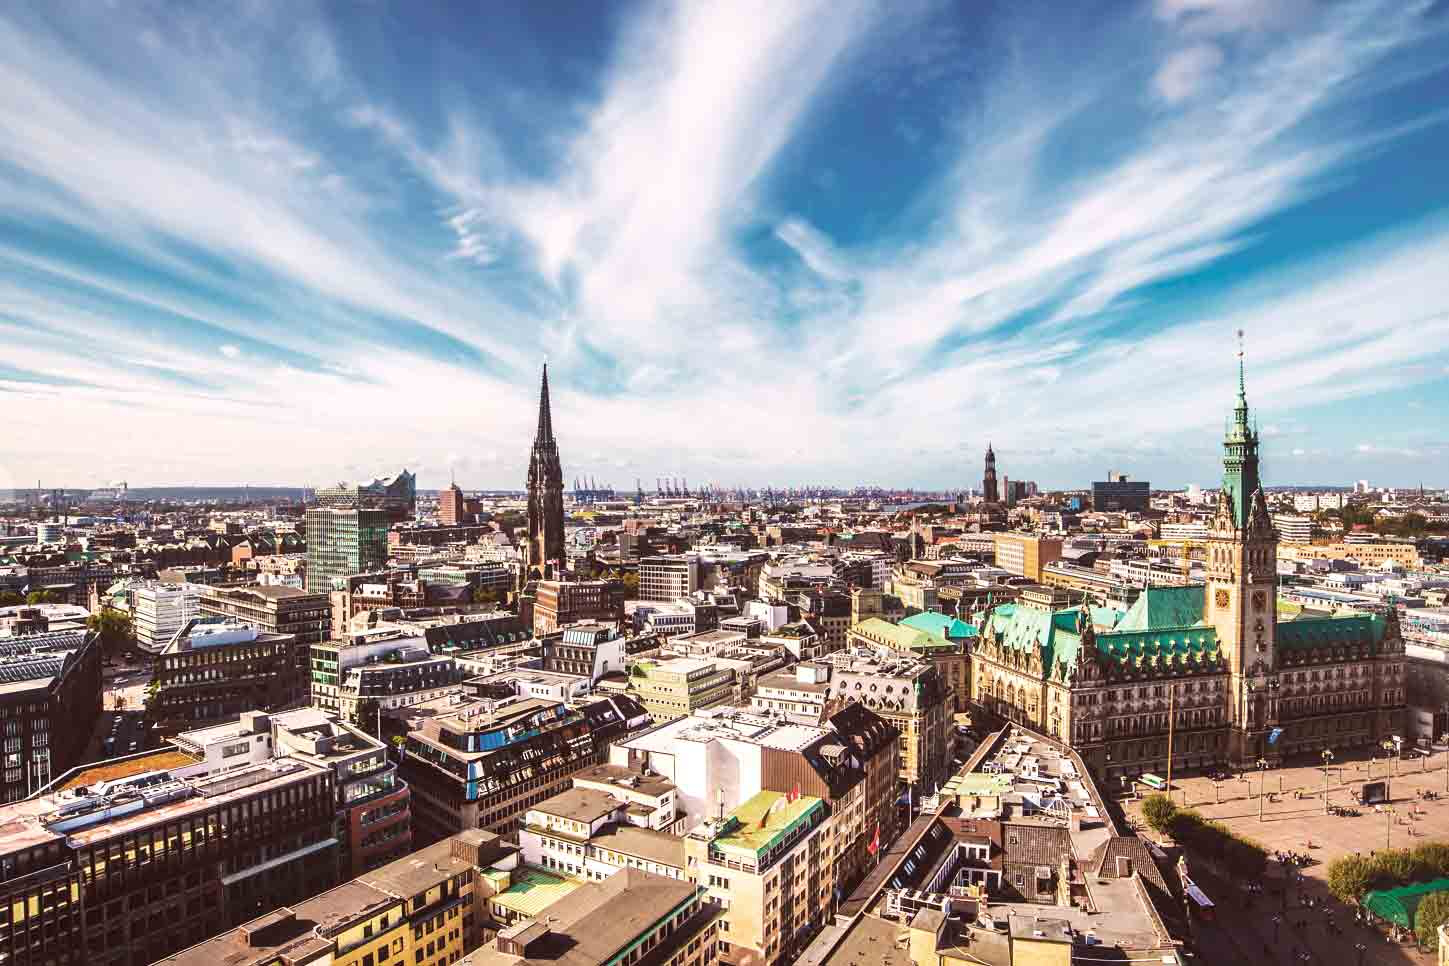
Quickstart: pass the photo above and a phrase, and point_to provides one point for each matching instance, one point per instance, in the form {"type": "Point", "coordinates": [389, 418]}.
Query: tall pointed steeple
{"type": "Point", "coordinates": [1240, 453]}
{"type": "Point", "coordinates": [545, 416]}
{"type": "Point", "coordinates": [545, 550]}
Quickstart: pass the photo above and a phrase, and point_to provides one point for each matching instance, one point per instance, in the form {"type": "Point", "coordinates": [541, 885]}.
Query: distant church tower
{"type": "Point", "coordinates": [1241, 595]}
{"type": "Point", "coordinates": [988, 481]}
{"type": "Point", "coordinates": [544, 553]}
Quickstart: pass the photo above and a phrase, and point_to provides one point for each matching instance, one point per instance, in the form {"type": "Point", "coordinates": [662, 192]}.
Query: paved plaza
{"type": "Point", "coordinates": [1293, 820]}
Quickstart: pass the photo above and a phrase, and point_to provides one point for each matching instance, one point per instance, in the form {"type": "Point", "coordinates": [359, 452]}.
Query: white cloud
{"type": "Point", "coordinates": [230, 351]}
{"type": "Point", "coordinates": [1232, 16]}
{"type": "Point", "coordinates": [1186, 72]}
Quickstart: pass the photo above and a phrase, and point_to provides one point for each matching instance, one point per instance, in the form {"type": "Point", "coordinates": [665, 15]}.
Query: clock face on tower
{"type": "Point", "coordinates": [1222, 598]}
{"type": "Point", "coordinates": [1260, 599]}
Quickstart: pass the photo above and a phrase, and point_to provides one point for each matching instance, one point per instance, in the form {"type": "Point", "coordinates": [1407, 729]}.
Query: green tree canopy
{"type": "Point", "coordinates": [9, 598]}
{"type": "Point", "coordinates": [1433, 910]}
{"type": "Point", "coordinates": [1350, 876]}
{"type": "Point", "coordinates": [1158, 811]}
{"type": "Point", "coordinates": [42, 597]}
{"type": "Point", "coordinates": [114, 629]}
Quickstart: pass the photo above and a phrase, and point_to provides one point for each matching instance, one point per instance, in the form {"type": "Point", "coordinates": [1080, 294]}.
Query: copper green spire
{"type": "Point", "coordinates": [1240, 451]}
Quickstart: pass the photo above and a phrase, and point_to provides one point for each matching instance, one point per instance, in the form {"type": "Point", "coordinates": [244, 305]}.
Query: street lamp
{"type": "Point", "coordinates": [1444, 740]}
{"type": "Point", "coordinates": [1327, 757]}
{"type": "Point", "coordinates": [1262, 777]}
{"type": "Point", "coordinates": [1388, 826]}
{"type": "Point", "coordinates": [1360, 947]}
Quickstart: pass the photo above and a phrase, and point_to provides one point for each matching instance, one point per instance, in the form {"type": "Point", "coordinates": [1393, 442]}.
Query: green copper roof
{"type": "Point", "coordinates": [940, 625]}
{"type": "Point", "coordinates": [1348, 630]}
{"type": "Point", "coordinates": [1024, 628]}
{"type": "Point", "coordinates": [1162, 607]}
{"type": "Point", "coordinates": [1164, 646]}
{"type": "Point", "coordinates": [764, 820]}
{"type": "Point", "coordinates": [895, 636]}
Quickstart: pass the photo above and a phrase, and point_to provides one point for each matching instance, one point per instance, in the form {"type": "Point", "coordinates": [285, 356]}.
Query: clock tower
{"type": "Point", "coordinates": [1242, 600]}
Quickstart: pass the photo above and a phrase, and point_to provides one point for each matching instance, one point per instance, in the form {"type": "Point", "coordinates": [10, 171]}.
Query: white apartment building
{"type": "Point", "coordinates": [1183, 531]}
{"type": "Point", "coordinates": [159, 610]}
{"type": "Point", "coordinates": [613, 818]}
{"type": "Point", "coordinates": [1292, 528]}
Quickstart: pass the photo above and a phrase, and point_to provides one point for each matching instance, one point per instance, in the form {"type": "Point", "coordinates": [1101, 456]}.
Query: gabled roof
{"type": "Point", "coordinates": [1023, 628]}
{"type": "Point", "coordinates": [1348, 630]}
{"type": "Point", "coordinates": [1164, 607]}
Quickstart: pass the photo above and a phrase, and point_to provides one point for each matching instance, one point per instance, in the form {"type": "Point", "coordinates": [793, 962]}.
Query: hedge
{"type": "Point", "coordinates": [1351, 876]}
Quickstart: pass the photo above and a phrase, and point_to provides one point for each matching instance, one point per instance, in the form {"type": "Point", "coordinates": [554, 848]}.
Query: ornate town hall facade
{"type": "Point", "coordinates": [1243, 677]}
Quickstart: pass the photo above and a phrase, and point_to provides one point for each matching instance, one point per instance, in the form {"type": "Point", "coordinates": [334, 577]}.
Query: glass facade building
{"type": "Point", "coordinates": [344, 541]}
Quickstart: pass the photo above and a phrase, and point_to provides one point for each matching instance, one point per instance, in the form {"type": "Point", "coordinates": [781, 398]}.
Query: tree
{"type": "Point", "coordinates": [114, 629]}
{"type": "Point", "coordinates": [42, 597]}
{"type": "Point", "coordinates": [1433, 910]}
{"type": "Point", "coordinates": [9, 598]}
{"type": "Point", "coordinates": [484, 596]}
{"type": "Point", "coordinates": [1350, 876]}
{"type": "Point", "coordinates": [1158, 810]}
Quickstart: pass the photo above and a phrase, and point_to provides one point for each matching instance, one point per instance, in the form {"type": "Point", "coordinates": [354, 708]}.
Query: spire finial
{"type": "Point", "coordinates": [545, 417]}
{"type": "Point", "coordinates": [1242, 390]}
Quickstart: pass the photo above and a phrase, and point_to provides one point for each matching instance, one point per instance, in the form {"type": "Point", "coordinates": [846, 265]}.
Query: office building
{"type": "Point", "coordinates": [217, 668]}
{"type": "Point", "coordinates": [131, 861]}
{"type": "Point", "coordinates": [719, 758]}
{"type": "Point", "coordinates": [588, 650]}
{"type": "Point", "coordinates": [484, 763]}
{"type": "Point", "coordinates": [159, 610]}
{"type": "Point", "coordinates": [561, 602]}
{"type": "Point", "coordinates": [910, 694]}
{"type": "Point", "coordinates": [427, 909]}
{"type": "Point", "coordinates": [769, 864]}
{"type": "Point", "coordinates": [342, 541]}
{"type": "Point", "coordinates": [668, 578]}
{"type": "Point", "coordinates": [944, 641]}
{"type": "Point", "coordinates": [1118, 494]}
{"type": "Point", "coordinates": [673, 688]}
{"type": "Point", "coordinates": [590, 832]}
{"type": "Point", "coordinates": [1025, 554]}
{"type": "Point", "coordinates": [276, 610]}
{"type": "Point", "coordinates": [1292, 528]}
{"type": "Point", "coordinates": [455, 509]}
{"type": "Point", "coordinates": [50, 702]}
{"type": "Point", "coordinates": [373, 822]}
{"type": "Point", "coordinates": [543, 553]}
{"type": "Point", "coordinates": [407, 676]}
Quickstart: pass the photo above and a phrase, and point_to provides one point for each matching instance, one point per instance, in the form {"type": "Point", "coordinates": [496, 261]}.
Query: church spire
{"type": "Point", "coordinates": [545, 417]}
{"type": "Point", "coordinates": [1240, 452]}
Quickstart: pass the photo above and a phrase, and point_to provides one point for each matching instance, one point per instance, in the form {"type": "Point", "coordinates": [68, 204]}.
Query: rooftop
{"type": "Point", "coordinates": [431, 865]}
{"type": "Point", "coordinates": [534, 889]}
{"type": "Point", "coordinates": [597, 923]}
{"type": "Point", "coordinates": [626, 779]}
{"type": "Point", "coordinates": [585, 805]}
{"type": "Point", "coordinates": [762, 821]}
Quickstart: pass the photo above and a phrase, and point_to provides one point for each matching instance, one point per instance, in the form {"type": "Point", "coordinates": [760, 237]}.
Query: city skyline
{"type": "Point", "coordinates": [795, 242]}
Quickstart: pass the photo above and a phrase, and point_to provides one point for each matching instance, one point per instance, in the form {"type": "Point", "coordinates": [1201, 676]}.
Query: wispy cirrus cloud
{"type": "Point", "coordinates": [731, 228]}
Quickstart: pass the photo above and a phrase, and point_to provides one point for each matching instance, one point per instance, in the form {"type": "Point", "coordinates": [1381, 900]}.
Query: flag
{"type": "Point", "coordinates": [874, 845]}
{"type": "Point", "coordinates": [795, 793]}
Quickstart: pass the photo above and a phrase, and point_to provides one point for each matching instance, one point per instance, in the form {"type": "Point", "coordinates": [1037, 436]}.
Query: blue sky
{"type": "Point", "coordinates": [757, 242]}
